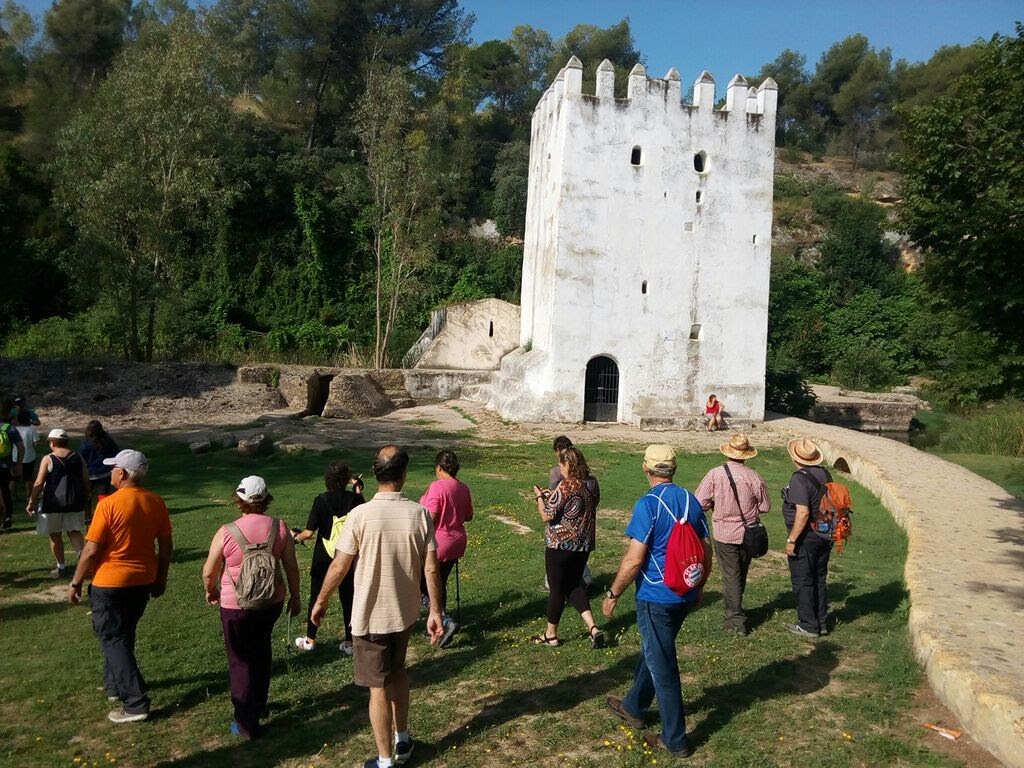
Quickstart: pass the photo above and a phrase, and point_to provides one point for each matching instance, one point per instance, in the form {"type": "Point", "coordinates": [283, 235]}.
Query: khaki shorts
{"type": "Point", "coordinates": [377, 656]}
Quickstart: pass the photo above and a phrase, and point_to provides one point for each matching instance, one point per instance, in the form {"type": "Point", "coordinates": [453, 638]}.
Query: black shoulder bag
{"type": "Point", "coordinates": [755, 537]}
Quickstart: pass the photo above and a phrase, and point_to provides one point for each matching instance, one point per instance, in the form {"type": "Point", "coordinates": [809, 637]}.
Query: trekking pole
{"type": "Point", "coordinates": [458, 595]}
{"type": "Point", "coordinates": [288, 631]}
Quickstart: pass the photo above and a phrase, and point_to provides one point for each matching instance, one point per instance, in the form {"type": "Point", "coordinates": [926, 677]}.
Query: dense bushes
{"type": "Point", "coordinates": [997, 430]}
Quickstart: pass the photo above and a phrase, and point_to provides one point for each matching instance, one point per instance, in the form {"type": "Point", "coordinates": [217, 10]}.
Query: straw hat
{"type": "Point", "coordinates": [738, 448]}
{"type": "Point", "coordinates": [804, 451]}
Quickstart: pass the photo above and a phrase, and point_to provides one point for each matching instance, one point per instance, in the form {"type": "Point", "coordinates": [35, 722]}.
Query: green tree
{"type": "Point", "coordinates": [963, 190]}
{"type": "Point", "coordinates": [511, 181]}
{"type": "Point", "coordinates": [592, 45]}
{"type": "Point", "coordinates": [86, 35]}
{"type": "Point", "coordinates": [138, 170]}
{"type": "Point", "coordinates": [398, 222]}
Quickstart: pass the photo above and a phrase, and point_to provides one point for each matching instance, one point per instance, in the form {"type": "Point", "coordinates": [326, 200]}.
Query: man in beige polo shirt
{"type": "Point", "coordinates": [391, 540]}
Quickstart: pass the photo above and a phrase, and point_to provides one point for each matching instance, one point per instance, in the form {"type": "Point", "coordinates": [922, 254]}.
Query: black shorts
{"type": "Point", "coordinates": [28, 470]}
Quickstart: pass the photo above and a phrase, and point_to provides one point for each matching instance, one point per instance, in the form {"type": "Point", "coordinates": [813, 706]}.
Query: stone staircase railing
{"type": "Point", "coordinates": [438, 320]}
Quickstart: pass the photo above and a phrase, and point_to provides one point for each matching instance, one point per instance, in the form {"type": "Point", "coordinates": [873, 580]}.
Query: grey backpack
{"type": "Point", "coordinates": [260, 572]}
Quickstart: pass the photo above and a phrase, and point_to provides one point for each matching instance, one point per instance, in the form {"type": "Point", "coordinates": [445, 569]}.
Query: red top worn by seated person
{"type": "Point", "coordinates": [712, 409]}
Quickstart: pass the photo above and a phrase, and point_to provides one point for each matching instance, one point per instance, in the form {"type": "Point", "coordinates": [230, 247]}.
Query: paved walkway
{"type": "Point", "coordinates": [965, 573]}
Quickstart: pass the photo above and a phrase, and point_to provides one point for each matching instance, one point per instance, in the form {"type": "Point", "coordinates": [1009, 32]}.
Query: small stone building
{"type": "Point", "coordinates": [647, 252]}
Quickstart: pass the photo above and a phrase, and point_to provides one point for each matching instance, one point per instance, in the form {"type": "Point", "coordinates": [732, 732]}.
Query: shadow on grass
{"type": "Point", "coordinates": [27, 579]}
{"type": "Point", "coordinates": [801, 675]}
{"type": "Point", "coordinates": [16, 611]}
{"type": "Point", "coordinates": [548, 699]}
{"type": "Point", "coordinates": [762, 613]}
{"type": "Point", "coordinates": [885, 599]}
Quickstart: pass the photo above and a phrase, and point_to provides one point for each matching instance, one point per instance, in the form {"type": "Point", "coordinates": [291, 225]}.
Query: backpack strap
{"type": "Point", "coordinates": [236, 534]}
{"type": "Point", "coordinates": [272, 533]}
{"type": "Point", "coordinates": [735, 493]}
{"type": "Point", "coordinates": [685, 519]}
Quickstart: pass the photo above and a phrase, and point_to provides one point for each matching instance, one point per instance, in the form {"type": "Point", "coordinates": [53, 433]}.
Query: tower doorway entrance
{"type": "Point", "coordinates": [601, 393]}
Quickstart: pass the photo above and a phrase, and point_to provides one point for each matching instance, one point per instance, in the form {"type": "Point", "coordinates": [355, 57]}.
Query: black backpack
{"type": "Point", "coordinates": [65, 489]}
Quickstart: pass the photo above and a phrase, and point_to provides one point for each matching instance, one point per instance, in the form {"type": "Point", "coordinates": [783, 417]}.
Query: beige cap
{"type": "Point", "coordinates": [660, 457]}
{"type": "Point", "coordinates": [57, 434]}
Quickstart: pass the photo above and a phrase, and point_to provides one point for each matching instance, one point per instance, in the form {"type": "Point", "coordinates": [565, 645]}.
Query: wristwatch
{"type": "Point", "coordinates": [791, 541]}
{"type": "Point", "coordinates": [611, 595]}
{"type": "Point", "coordinates": [76, 587]}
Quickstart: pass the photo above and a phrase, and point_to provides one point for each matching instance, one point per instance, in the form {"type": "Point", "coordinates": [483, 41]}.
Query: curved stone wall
{"type": "Point", "coordinates": [964, 572]}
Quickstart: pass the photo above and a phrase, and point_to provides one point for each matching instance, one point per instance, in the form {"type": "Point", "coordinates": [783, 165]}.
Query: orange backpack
{"type": "Point", "coordinates": [832, 518]}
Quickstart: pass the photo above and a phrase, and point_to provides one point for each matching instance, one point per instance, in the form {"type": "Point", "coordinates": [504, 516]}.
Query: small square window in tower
{"type": "Point", "coordinates": [636, 156]}
{"type": "Point", "coordinates": [700, 162]}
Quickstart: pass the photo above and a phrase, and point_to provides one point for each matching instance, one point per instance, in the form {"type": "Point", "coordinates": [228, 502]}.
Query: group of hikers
{"type": "Point", "coordinates": [389, 557]}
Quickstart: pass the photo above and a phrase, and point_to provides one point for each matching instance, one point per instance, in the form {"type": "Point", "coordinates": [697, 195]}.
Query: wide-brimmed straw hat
{"type": "Point", "coordinates": [738, 448]}
{"type": "Point", "coordinates": [804, 451]}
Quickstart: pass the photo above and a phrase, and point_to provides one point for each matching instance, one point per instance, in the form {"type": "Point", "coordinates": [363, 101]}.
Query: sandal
{"type": "Point", "coordinates": [554, 642]}
{"type": "Point", "coordinates": [596, 637]}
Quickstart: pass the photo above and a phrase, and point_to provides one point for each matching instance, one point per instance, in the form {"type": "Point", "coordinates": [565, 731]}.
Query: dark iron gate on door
{"type": "Point", "coordinates": [601, 393]}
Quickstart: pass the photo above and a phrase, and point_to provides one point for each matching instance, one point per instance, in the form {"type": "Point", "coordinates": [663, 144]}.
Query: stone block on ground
{"type": "Point", "coordinates": [253, 447]}
{"type": "Point", "coordinates": [200, 446]}
{"type": "Point", "coordinates": [354, 395]}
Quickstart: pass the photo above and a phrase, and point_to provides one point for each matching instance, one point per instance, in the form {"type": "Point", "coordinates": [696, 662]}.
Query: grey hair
{"type": "Point", "coordinates": [135, 475]}
{"type": "Point", "coordinates": [664, 474]}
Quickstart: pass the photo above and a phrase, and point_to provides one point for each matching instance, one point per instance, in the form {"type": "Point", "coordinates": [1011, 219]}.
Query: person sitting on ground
{"type": "Point", "coordinates": [328, 513]}
{"type": "Point", "coordinates": [11, 462]}
{"type": "Point", "coordinates": [570, 511]}
{"type": "Point", "coordinates": [96, 447]}
{"type": "Point", "coordinates": [29, 438]}
{"type": "Point", "coordinates": [713, 414]}
{"type": "Point", "coordinates": [247, 630]}
{"type": "Point", "coordinates": [450, 505]}
{"type": "Point", "coordinates": [739, 497]}
{"type": "Point", "coordinates": [58, 499]}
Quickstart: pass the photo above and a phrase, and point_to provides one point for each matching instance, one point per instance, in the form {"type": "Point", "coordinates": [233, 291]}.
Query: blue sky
{"type": "Point", "coordinates": [730, 37]}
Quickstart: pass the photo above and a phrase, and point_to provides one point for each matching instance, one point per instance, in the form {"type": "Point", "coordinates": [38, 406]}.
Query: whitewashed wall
{"type": "Point", "coordinates": [598, 227]}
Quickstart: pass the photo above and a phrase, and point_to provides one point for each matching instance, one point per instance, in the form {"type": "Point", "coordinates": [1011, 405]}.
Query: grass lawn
{"type": "Point", "coordinates": [491, 699]}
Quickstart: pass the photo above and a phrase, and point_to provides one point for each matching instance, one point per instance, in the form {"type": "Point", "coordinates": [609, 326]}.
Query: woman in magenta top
{"type": "Point", "coordinates": [451, 506]}
{"type": "Point", "coordinates": [247, 631]}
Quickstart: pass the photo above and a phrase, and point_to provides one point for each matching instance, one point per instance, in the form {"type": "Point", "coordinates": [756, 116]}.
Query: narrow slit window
{"type": "Point", "coordinates": [754, 239]}
{"type": "Point", "coordinates": [643, 287]}
{"type": "Point", "coordinates": [700, 161]}
{"type": "Point", "coordinates": [695, 332]}
{"type": "Point", "coordinates": [698, 196]}
{"type": "Point", "coordinates": [637, 156]}
{"type": "Point", "coordinates": [490, 329]}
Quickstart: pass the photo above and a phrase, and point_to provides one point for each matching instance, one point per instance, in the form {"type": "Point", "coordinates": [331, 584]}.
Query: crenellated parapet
{"type": "Point", "coordinates": [740, 96]}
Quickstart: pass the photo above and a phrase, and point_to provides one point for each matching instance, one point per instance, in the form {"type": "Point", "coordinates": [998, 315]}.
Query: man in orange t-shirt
{"type": "Point", "coordinates": [128, 552]}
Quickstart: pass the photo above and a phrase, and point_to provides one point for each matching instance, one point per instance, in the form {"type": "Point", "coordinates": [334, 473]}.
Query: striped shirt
{"type": "Point", "coordinates": [714, 492]}
{"type": "Point", "coordinates": [390, 535]}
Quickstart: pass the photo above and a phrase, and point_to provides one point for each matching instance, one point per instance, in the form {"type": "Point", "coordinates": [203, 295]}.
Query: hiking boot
{"type": "Point", "coordinates": [305, 644]}
{"type": "Point", "coordinates": [61, 572]}
{"type": "Point", "coordinates": [346, 648]}
{"type": "Point", "coordinates": [654, 740]}
{"type": "Point", "coordinates": [741, 631]}
{"type": "Point", "coordinates": [799, 631]}
{"type": "Point", "coordinates": [8, 522]}
{"type": "Point", "coordinates": [403, 750]}
{"type": "Point", "coordinates": [123, 716]}
{"type": "Point", "coordinates": [615, 705]}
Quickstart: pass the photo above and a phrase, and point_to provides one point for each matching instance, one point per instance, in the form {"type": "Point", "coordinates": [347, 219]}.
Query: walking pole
{"type": "Point", "coordinates": [458, 595]}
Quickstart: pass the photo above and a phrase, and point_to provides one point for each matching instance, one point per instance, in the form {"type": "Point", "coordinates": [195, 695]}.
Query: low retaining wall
{"type": "Point", "coordinates": [439, 385]}
{"type": "Point", "coordinates": [964, 572]}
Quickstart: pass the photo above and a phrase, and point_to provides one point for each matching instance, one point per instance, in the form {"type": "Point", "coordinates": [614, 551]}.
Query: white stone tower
{"type": "Point", "coordinates": [648, 246]}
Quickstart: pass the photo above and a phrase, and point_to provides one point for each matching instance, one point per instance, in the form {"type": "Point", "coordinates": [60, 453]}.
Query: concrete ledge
{"type": "Point", "coordinates": [964, 572]}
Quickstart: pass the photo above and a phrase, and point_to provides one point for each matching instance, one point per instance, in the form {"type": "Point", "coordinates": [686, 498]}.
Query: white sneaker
{"type": "Point", "coordinates": [305, 644]}
{"type": "Point", "coordinates": [345, 648]}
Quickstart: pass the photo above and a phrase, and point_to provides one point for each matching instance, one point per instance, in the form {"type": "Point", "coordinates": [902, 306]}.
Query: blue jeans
{"type": "Point", "coordinates": [657, 672]}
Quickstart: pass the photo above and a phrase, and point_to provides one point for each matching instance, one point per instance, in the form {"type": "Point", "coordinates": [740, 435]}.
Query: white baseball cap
{"type": "Point", "coordinates": [252, 488]}
{"type": "Point", "coordinates": [57, 434]}
{"type": "Point", "coordinates": [133, 461]}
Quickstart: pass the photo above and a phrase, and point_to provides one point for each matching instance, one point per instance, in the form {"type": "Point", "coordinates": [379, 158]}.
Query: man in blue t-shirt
{"type": "Point", "coordinates": [659, 610]}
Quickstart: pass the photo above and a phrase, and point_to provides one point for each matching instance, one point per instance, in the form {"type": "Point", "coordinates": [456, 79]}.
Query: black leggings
{"type": "Point", "coordinates": [446, 570]}
{"type": "Point", "coordinates": [345, 591]}
{"type": "Point", "coordinates": [565, 582]}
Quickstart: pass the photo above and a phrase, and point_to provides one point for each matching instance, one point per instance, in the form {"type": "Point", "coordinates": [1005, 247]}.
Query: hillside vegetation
{"type": "Point", "coordinates": [275, 179]}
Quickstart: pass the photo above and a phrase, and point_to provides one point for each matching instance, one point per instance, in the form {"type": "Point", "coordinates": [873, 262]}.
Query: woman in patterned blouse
{"type": "Point", "coordinates": [570, 511]}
